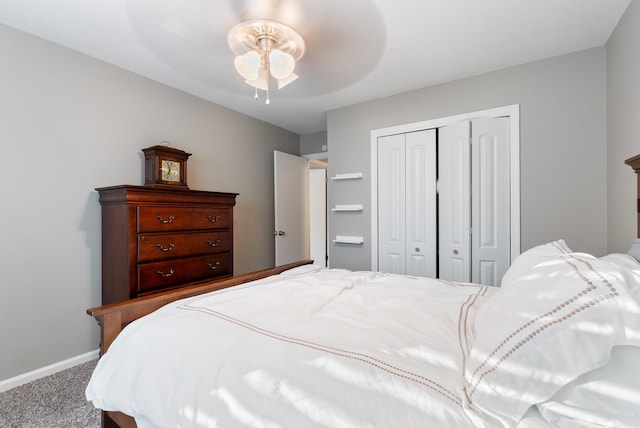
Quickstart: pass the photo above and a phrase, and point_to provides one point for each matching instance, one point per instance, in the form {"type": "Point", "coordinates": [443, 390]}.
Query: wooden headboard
{"type": "Point", "coordinates": [634, 163]}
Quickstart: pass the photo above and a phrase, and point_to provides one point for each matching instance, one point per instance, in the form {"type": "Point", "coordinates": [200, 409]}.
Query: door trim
{"type": "Point", "coordinates": [316, 161]}
{"type": "Point", "coordinates": [511, 111]}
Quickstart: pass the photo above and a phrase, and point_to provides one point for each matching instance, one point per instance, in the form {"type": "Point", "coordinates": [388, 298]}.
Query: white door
{"type": "Point", "coordinates": [291, 202]}
{"type": "Point", "coordinates": [421, 216]}
{"type": "Point", "coordinates": [407, 203]}
{"type": "Point", "coordinates": [391, 204]}
{"type": "Point", "coordinates": [473, 195]}
{"type": "Point", "coordinates": [454, 202]}
{"type": "Point", "coordinates": [490, 242]}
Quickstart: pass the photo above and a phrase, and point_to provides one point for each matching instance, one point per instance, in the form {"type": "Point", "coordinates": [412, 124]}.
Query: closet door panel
{"type": "Point", "coordinates": [421, 219]}
{"type": "Point", "coordinates": [391, 204]}
{"type": "Point", "coordinates": [454, 222]}
{"type": "Point", "coordinates": [490, 202]}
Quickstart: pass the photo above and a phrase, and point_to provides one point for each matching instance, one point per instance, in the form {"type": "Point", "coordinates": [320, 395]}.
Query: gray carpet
{"type": "Point", "coordinates": [56, 401]}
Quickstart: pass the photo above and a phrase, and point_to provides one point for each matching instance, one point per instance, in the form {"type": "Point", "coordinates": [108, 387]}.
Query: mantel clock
{"type": "Point", "coordinates": [165, 167]}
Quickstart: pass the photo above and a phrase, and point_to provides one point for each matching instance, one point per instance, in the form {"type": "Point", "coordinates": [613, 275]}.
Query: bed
{"type": "Point", "coordinates": [305, 346]}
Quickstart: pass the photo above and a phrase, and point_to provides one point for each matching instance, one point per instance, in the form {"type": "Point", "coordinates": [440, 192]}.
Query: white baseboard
{"type": "Point", "coordinates": [12, 382]}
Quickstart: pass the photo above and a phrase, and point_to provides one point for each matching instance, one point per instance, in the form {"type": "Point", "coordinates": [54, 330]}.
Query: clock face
{"type": "Point", "coordinates": [170, 171]}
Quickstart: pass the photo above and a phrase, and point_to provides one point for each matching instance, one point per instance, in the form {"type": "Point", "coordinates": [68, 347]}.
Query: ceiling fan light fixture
{"type": "Point", "coordinates": [265, 48]}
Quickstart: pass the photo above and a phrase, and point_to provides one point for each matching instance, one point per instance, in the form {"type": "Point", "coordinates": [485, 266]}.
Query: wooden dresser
{"type": "Point", "coordinates": [156, 238]}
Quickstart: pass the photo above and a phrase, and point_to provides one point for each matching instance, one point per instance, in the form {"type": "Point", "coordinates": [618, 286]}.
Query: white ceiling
{"type": "Point", "coordinates": [357, 50]}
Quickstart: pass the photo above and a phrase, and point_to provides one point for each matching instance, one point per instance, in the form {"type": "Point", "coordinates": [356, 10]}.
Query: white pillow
{"type": "Point", "coordinates": [530, 258]}
{"type": "Point", "coordinates": [606, 397]}
{"type": "Point", "coordinates": [550, 323]}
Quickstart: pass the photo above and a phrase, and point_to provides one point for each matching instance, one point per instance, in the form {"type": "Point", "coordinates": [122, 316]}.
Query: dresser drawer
{"type": "Point", "coordinates": [162, 246]}
{"type": "Point", "coordinates": [158, 275]}
{"type": "Point", "coordinates": [162, 218]}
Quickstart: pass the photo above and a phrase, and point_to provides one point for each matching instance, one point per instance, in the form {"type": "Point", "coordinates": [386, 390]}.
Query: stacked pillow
{"type": "Point", "coordinates": [561, 334]}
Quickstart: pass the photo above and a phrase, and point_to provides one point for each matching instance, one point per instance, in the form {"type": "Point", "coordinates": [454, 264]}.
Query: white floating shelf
{"type": "Point", "coordinates": [351, 207]}
{"type": "Point", "coordinates": [347, 176]}
{"type": "Point", "coordinates": [344, 239]}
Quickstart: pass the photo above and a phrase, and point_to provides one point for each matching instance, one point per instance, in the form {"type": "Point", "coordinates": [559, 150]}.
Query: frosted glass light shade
{"type": "Point", "coordinates": [248, 65]}
{"type": "Point", "coordinates": [261, 80]}
{"type": "Point", "coordinates": [281, 64]}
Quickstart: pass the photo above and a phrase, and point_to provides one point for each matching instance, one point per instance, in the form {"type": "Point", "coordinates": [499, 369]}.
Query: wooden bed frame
{"type": "Point", "coordinates": [114, 317]}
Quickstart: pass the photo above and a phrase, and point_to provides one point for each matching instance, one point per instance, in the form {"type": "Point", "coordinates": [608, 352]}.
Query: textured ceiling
{"type": "Point", "coordinates": [357, 50]}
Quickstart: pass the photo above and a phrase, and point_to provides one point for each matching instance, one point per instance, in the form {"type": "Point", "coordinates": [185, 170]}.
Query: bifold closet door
{"type": "Point", "coordinates": [407, 223]}
{"type": "Point", "coordinates": [473, 191]}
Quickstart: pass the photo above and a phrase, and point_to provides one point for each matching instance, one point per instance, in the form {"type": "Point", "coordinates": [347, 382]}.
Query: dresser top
{"type": "Point", "coordinates": [126, 193]}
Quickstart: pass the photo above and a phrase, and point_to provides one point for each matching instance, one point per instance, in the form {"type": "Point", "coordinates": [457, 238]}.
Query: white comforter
{"type": "Point", "coordinates": [557, 344]}
{"type": "Point", "coordinates": [311, 347]}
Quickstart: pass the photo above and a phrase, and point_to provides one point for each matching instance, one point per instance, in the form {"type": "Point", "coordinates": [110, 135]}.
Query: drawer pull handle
{"type": "Point", "coordinates": [213, 219]}
{"type": "Point", "coordinates": [163, 221]}
{"type": "Point", "coordinates": [163, 249]}
{"type": "Point", "coordinates": [214, 266]}
{"type": "Point", "coordinates": [165, 275]}
{"type": "Point", "coordinates": [213, 243]}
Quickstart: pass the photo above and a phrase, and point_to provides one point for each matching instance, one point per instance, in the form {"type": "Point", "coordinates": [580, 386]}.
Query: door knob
{"type": "Point", "coordinates": [455, 252]}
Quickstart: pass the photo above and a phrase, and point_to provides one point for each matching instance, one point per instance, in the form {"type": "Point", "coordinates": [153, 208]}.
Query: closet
{"type": "Point", "coordinates": [444, 201]}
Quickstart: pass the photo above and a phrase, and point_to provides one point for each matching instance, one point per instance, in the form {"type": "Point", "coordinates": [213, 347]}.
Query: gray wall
{"type": "Point", "coordinates": [70, 123]}
{"type": "Point", "coordinates": [562, 146]}
{"type": "Point", "coordinates": [623, 114]}
{"type": "Point", "coordinates": [313, 143]}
